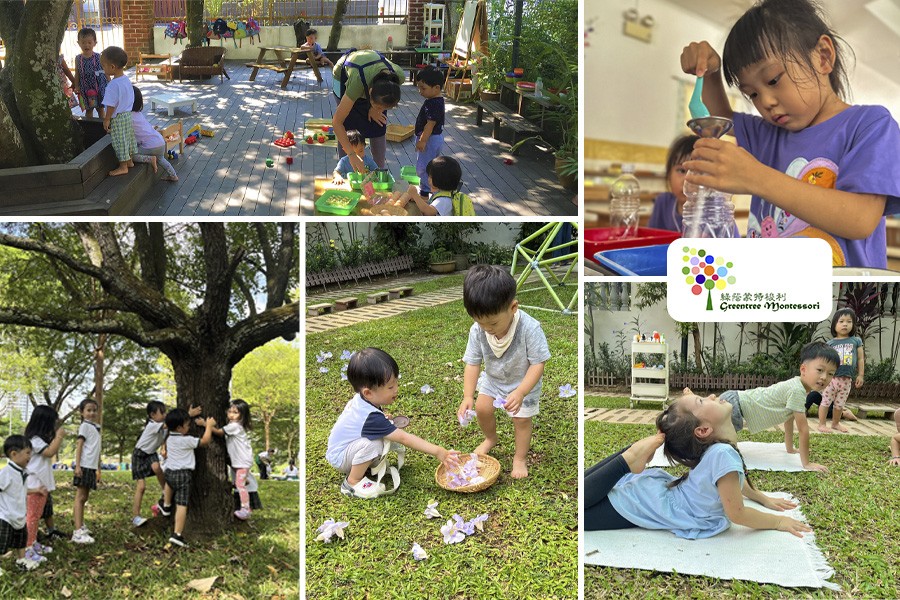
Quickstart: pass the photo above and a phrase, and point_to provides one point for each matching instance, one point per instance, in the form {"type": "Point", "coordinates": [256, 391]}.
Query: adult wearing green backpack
{"type": "Point", "coordinates": [367, 85]}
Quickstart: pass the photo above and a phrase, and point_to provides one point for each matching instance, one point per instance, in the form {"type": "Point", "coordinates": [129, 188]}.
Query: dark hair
{"type": "Point", "coordinates": [87, 31]}
{"type": "Point", "coordinates": [310, 32]}
{"type": "Point", "coordinates": [385, 89]}
{"type": "Point", "coordinates": [115, 55]}
{"type": "Point", "coordinates": [682, 446]}
{"type": "Point", "coordinates": [488, 290]}
{"type": "Point", "coordinates": [244, 409]}
{"type": "Point", "coordinates": [356, 137]}
{"type": "Point", "coordinates": [371, 368]}
{"type": "Point", "coordinates": [176, 417]}
{"type": "Point", "coordinates": [155, 406]}
{"type": "Point", "coordinates": [85, 402]}
{"type": "Point", "coordinates": [138, 105]}
{"type": "Point", "coordinates": [787, 30]}
{"type": "Point", "coordinates": [430, 76]}
{"type": "Point", "coordinates": [42, 423]}
{"type": "Point", "coordinates": [445, 173]}
{"type": "Point", "coordinates": [840, 313]}
{"type": "Point", "coordinates": [679, 151]}
{"type": "Point", "coordinates": [814, 350]}
{"type": "Point", "coordinates": [15, 443]}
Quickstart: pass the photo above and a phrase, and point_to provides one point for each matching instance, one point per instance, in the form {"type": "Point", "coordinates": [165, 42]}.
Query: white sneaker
{"type": "Point", "coordinates": [364, 488]}
{"type": "Point", "coordinates": [33, 556]}
{"type": "Point", "coordinates": [138, 521]}
{"type": "Point", "coordinates": [81, 536]}
{"type": "Point", "coordinates": [26, 564]}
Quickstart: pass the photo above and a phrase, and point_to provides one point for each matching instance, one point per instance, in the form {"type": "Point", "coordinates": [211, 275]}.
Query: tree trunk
{"type": "Point", "coordinates": [194, 23]}
{"type": "Point", "coordinates": [698, 347]}
{"type": "Point", "coordinates": [202, 380]}
{"type": "Point", "coordinates": [99, 362]}
{"type": "Point", "coordinates": [337, 22]}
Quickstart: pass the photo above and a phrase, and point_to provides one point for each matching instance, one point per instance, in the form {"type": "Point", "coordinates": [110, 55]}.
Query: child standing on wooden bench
{"type": "Point", "coordinates": [117, 103]}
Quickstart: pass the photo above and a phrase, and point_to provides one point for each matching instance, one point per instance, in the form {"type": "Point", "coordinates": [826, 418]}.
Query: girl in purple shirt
{"type": "Point", "coordinates": [815, 165]}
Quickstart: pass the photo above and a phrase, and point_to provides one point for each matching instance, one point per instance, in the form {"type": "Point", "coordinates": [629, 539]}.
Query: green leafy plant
{"type": "Point", "coordinates": [490, 74]}
{"type": "Point", "coordinates": [440, 255]}
{"type": "Point", "coordinates": [453, 236]}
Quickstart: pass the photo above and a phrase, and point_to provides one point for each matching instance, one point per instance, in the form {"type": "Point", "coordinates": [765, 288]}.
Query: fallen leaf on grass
{"type": "Point", "coordinates": [126, 574]}
{"type": "Point", "coordinates": [65, 592]}
{"type": "Point", "coordinates": [202, 585]}
{"type": "Point", "coordinates": [272, 569]}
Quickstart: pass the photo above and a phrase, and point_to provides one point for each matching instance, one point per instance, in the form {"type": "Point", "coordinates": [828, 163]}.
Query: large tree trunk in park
{"type": "Point", "coordinates": [337, 22]}
{"type": "Point", "coordinates": [35, 120]}
{"type": "Point", "coordinates": [194, 22]}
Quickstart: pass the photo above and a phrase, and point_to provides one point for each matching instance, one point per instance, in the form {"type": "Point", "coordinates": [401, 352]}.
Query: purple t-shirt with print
{"type": "Point", "coordinates": [854, 151]}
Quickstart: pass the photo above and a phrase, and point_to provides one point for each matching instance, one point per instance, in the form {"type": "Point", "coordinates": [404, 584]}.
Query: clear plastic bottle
{"type": "Point", "coordinates": [708, 213]}
{"type": "Point", "coordinates": [625, 204]}
{"type": "Point", "coordinates": [539, 87]}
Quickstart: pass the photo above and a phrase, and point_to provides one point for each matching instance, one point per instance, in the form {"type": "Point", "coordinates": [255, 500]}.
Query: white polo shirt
{"type": "Point", "coordinates": [12, 495]}
{"type": "Point", "coordinates": [40, 469]}
{"type": "Point", "coordinates": [152, 437]}
{"type": "Point", "coordinates": [238, 445]}
{"type": "Point", "coordinates": [90, 453]}
{"type": "Point", "coordinates": [180, 451]}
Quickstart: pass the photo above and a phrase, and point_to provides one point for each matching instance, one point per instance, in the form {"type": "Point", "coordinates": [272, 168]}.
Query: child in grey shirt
{"type": "Point", "coordinates": [513, 349]}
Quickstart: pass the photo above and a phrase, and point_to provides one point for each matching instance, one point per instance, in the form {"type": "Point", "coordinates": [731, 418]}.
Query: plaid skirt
{"type": "Point", "coordinates": [48, 507]}
{"type": "Point", "coordinates": [142, 464]}
{"type": "Point", "coordinates": [180, 482]}
{"type": "Point", "coordinates": [11, 538]}
{"type": "Point", "coordinates": [122, 131]}
{"type": "Point", "coordinates": [87, 480]}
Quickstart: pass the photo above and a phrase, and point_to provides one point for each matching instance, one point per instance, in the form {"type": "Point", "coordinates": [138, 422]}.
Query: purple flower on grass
{"type": "Point", "coordinates": [426, 389]}
{"type": "Point", "coordinates": [451, 534]}
{"type": "Point", "coordinates": [431, 512]}
{"type": "Point", "coordinates": [323, 369]}
{"type": "Point", "coordinates": [566, 391]}
{"type": "Point", "coordinates": [346, 354]}
{"type": "Point", "coordinates": [418, 553]}
{"type": "Point", "coordinates": [330, 528]}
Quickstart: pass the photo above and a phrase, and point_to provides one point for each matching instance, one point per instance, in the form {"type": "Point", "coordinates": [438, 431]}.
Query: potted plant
{"type": "Point", "coordinates": [454, 238]}
{"type": "Point", "coordinates": [440, 260]}
{"type": "Point", "coordinates": [489, 77]}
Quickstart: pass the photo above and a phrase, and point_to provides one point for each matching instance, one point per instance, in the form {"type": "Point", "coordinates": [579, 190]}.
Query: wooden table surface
{"type": "Point", "coordinates": [288, 62]}
{"type": "Point", "coordinates": [323, 184]}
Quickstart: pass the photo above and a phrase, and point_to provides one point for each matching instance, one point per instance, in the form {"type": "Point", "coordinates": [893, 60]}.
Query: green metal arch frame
{"type": "Point", "coordinates": [534, 261]}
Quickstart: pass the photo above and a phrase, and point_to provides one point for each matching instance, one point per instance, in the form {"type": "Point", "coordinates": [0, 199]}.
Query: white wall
{"type": "Point", "coordinates": [352, 36]}
{"type": "Point", "coordinates": [632, 82]}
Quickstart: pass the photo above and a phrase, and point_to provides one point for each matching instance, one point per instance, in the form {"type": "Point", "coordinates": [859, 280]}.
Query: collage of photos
{"type": "Point", "coordinates": [449, 299]}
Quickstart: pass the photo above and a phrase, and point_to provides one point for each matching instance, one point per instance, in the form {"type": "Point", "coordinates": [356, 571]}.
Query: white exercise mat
{"type": "Point", "coordinates": [764, 556]}
{"type": "Point", "coordinates": [758, 456]}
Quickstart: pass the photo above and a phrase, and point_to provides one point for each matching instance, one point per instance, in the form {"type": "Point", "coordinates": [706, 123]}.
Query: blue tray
{"type": "Point", "coordinates": [649, 261]}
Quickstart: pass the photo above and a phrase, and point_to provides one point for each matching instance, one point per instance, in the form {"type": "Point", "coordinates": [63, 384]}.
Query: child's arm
{"type": "Point", "coordinates": [207, 435]}
{"type": "Point", "coordinates": [66, 71]}
{"type": "Point", "coordinates": [699, 58]}
{"type": "Point", "coordinates": [789, 436]}
{"type": "Point", "coordinates": [729, 486]}
{"type": "Point", "coordinates": [470, 380]}
{"type": "Point", "coordinates": [107, 117]}
{"type": "Point", "coordinates": [426, 133]}
{"type": "Point", "coordinates": [803, 430]}
{"type": "Point", "coordinates": [860, 367]}
{"type": "Point", "coordinates": [76, 80]}
{"type": "Point", "coordinates": [79, 446]}
{"type": "Point", "coordinates": [771, 503]}
{"type": "Point", "coordinates": [425, 208]}
{"type": "Point", "coordinates": [515, 398]}
{"type": "Point", "coordinates": [53, 448]}
{"type": "Point", "coordinates": [194, 411]}
{"type": "Point", "coordinates": [450, 458]}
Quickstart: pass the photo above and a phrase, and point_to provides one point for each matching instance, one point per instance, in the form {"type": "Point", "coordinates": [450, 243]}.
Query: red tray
{"type": "Point", "coordinates": [597, 240]}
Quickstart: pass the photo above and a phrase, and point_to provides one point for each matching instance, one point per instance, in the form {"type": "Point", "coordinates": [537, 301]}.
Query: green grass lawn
{"type": "Point", "coordinates": [439, 282]}
{"type": "Point", "coordinates": [853, 511]}
{"type": "Point", "coordinates": [529, 548]}
{"type": "Point", "coordinates": [256, 559]}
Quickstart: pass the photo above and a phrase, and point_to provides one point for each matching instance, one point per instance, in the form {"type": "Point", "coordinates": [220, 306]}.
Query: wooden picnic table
{"type": "Point", "coordinates": [322, 184]}
{"type": "Point", "coordinates": [285, 61]}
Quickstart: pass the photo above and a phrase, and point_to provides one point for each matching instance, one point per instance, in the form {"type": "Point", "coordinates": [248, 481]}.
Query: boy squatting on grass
{"type": "Point", "coordinates": [785, 402]}
{"type": "Point", "coordinates": [512, 346]}
{"type": "Point", "coordinates": [358, 437]}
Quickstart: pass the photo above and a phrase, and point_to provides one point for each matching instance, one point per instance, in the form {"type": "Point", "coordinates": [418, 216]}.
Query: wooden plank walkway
{"type": "Point", "coordinates": [226, 175]}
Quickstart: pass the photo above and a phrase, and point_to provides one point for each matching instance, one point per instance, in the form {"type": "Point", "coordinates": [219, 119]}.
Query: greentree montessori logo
{"type": "Point", "coordinates": [703, 271]}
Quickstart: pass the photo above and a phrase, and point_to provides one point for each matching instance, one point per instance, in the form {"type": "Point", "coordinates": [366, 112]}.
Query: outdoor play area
{"type": "Point", "coordinates": [245, 99]}
{"type": "Point", "coordinates": [638, 361]}
{"type": "Point", "coordinates": [508, 536]}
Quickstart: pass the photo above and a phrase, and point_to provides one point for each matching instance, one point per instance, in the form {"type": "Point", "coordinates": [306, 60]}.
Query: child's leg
{"type": "Point", "coordinates": [828, 395]}
{"type": "Point", "coordinates": [895, 450]}
{"type": "Point", "coordinates": [180, 518]}
{"type": "Point", "coordinates": [160, 476]}
{"type": "Point", "coordinates": [841, 394]}
{"type": "Point", "coordinates": [146, 158]}
{"type": "Point", "coordinates": [357, 472]}
{"type": "Point", "coordinates": [897, 418]}
{"type": "Point", "coordinates": [122, 169]}
{"type": "Point", "coordinates": [379, 150]}
{"type": "Point", "coordinates": [34, 504]}
{"type": "Point", "coordinates": [81, 496]}
{"type": "Point", "coordinates": [240, 482]}
{"type": "Point", "coordinates": [432, 150]}
{"type": "Point", "coordinates": [138, 497]}
{"type": "Point", "coordinates": [168, 492]}
{"type": "Point", "coordinates": [121, 142]}
{"type": "Point", "coordinates": [487, 421]}
{"type": "Point", "coordinates": [522, 427]}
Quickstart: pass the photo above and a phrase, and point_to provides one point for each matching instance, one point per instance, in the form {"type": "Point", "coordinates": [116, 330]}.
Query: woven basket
{"type": "Point", "coordinates": [488, 467]}
{"type": "Point", "coordinates": [398, 133]}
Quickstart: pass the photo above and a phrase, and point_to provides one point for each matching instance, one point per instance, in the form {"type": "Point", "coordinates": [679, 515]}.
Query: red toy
{"type": "Point", "coordinates": [310, 139]}
{"type": "Point", "coordinates": [289, 135]}
{"type": "Point", "coordinates": [326, 128]}
{"type": "Point", "coordinates": [190, 140]}
{"type": "Point", "coordinates": [290, 160]}
{"type": "Point", "coordinates": [322, 138]}
{"type": "Point", "coordinates": [286, 142]}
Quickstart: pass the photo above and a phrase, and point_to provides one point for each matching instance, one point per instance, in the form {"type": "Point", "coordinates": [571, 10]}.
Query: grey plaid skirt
{"type": "Point", "coordinates": [87, 480]}
{"type": "Point", "coordinates": [180, 482]}
{"type": "Point", "coordinates": [141, 464]}
{"type": "Point", "coordinates": [11, 538]}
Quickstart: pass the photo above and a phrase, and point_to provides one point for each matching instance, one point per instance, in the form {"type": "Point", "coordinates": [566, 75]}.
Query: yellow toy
{"type": "Point", "coordinates": [208, 132]}
{"type": "Point", "coordinates": [192, 130]}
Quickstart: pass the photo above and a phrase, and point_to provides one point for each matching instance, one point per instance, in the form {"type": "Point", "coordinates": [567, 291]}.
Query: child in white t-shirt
{"type": "Point", "coordinates": [13, 532]}
{"type": "Point", "coordinates": [87, 467]}
{"type": "Point", "coordinates": [117, 102]}
{"type": "Point", "coordinates": [151, 145]}
{"type": "Point", "coordinates": [239, 452]}
{"type": "Point", "coordinates": [46, 436]}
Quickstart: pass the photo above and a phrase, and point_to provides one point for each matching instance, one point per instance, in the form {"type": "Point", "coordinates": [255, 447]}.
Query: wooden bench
{"type": "Point", "coordinates": [317, 309]}
{"type": "Point", "coordinates": [402, 292]}
{"type": "Point", "coordinates": [257, 67]}
{"type": "Point", "coordinates": [345, 304]}
{"type": "Point", "coordinates": [377, 297]}
{"type": "Point", "coordinates": [863, 410]}
{"type": "Point", "coordinates": [502, 115]}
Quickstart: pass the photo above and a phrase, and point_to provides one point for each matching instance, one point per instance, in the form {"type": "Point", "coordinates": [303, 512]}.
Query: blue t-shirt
{"type": "Point", "coordinates": [691, 509]}
{"type": "Point", "coordinates": [345, 168]}
{"type": "Point", "coordinates": [847, 349]}
{"type": "Point", "coordinates": [432, 110]}
{"type": "Point", "coordinates": [360, 419]}
{"type": "Point", "coordinates": [854, 151]}
{"type": "Point", "coordinates": [316, 49]}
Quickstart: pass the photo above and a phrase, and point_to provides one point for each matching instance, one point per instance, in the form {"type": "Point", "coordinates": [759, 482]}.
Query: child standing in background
{"type": "Point", "coordinates": [90, 78]}
{"type": "Point", "coordinates": [117, 104]}
{"type": "Point", "coordinates": [429, 124]}
{"type": "Point", "coordinates": [852, 362]}
{"type": "Point", "coordinates": [87, 467]}
{"type": "Point", "coordinates": [46, 436]}
{"type": "Point", "coordinates": [815, 165]}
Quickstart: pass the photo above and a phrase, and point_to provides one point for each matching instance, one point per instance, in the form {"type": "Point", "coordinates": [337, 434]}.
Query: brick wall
{"type": "Point", "coordinates": [415, 24]}
{"type": "Point", "coordinates": [137, 24]}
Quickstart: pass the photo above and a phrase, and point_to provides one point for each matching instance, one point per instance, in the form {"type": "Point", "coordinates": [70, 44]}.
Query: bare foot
{"type": "Point", "coordinates": [130, 163]}
{"type": "Point", "coordinates": [170, 178]}
{"type": "Point", "coordinates": [485, 446]}
{"type": "Point", "coordinates": [153, 164]}
{"type": "Point", "coordinates": [119, 171]}
{"type": "Point", "coordinates": [520, 468]}
{"type": "Point", "coordinates": [822, 429]}
{"type": "Point", "coordinates": [641, 452]}
{"type": "Point", "coordinates": [848, 415]}
{"type": "Point", "coordinates": [841, 428]}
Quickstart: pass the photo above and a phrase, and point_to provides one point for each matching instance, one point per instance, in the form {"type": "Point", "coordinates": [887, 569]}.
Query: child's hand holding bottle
{"type": "Point", "coordinates": [699, 58]}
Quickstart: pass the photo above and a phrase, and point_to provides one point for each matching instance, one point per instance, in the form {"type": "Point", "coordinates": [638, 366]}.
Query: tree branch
{"type": "Point", "coordinates": [253, 332]}
{"type": "Point", "coordinates": [247, 293]}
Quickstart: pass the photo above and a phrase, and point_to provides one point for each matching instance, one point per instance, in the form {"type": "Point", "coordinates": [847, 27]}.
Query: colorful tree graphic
{"type": "Point", "coordinates": [705, 271]}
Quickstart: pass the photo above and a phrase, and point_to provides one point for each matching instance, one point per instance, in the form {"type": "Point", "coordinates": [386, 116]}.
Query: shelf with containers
{"type": "Point", "coordinates": [649, 372]}
{"type": "Point", "coordinates": [433, 26]}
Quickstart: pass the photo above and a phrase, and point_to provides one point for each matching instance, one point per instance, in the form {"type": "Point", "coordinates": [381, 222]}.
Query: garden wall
{"type": "Point", "coordinates": [352, 36]}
